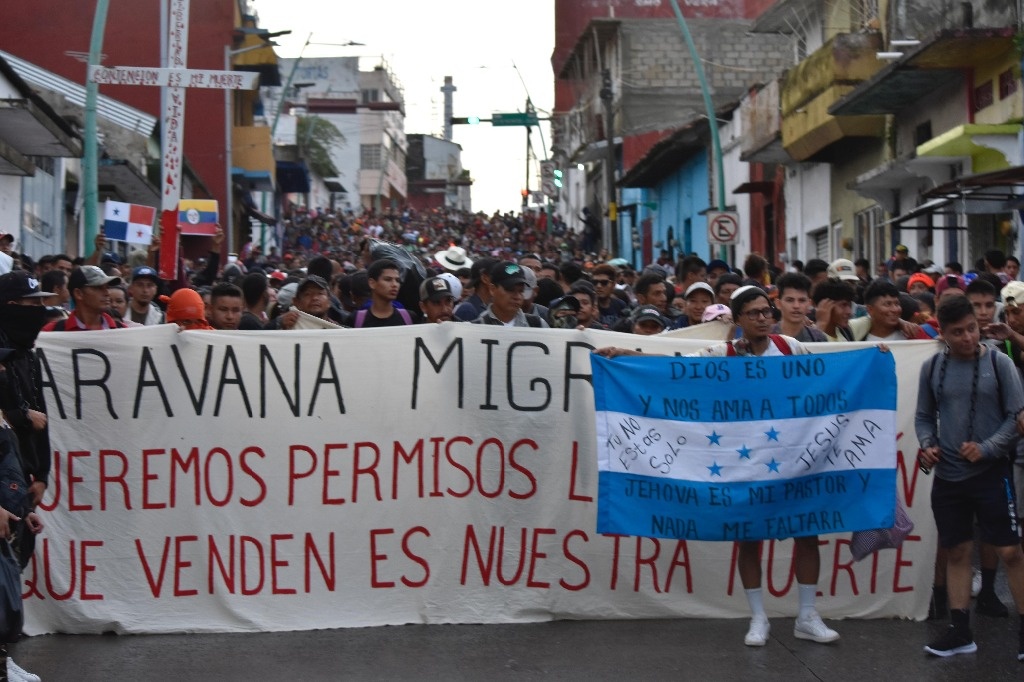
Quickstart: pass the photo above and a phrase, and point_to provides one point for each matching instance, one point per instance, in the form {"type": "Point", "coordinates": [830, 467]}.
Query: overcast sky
{"type": "Point", "coordinates": [477, 42]}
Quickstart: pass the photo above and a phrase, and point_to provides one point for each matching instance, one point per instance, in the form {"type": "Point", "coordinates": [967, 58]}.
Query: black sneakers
{"type": "Point", "coordinates": [952, 642]}
{"type": "Point", "coordinates": [988, 604]}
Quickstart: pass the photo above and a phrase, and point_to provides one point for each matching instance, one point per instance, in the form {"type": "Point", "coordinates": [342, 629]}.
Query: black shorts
{"type": "Point", "coordinates": [987, 498]}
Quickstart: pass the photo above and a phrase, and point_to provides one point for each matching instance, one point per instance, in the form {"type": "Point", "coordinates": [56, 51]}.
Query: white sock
{"type": "Point", "coordinates": [756, 602]}
{"type": "Point", "coordinates": [808, 595]}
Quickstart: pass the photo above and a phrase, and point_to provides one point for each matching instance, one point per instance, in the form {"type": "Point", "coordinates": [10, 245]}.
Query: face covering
{"type": "Point", "coordinates": [21, 323]}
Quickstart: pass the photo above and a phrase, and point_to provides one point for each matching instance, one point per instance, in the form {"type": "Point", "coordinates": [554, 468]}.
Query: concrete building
{"type": "Point", "coordinates": [220, 33]}
{"type": "Point", "coordinates": [365, 107]}
{"type": "Point", "coordinates": [638, 74]}
{"type": "Point", "coordinates": [878, 114]}
{"type": "Point", "coordinates": [435, 174]}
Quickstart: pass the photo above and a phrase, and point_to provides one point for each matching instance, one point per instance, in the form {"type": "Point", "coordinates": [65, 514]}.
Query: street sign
{"type": "Point", "coordinates": [185, 78]}
{"type": "Point", "coordinates": [515, 119]}
{"type": "Point", "coordinates": [723, 227]}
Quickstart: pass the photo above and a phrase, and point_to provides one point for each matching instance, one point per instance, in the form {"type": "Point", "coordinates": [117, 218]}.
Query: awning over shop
{"type": "Point", "coordinates": [923, 70]}
{"type": "Point", "coordinates": [254, 181]}
{"type": "Point", "coordinates": [293, 177]}
{"type": "Point", "coordinates": [335, 186]}
{"type": "Point", "coordinates": [982, 194]}
{"type": "Point", "coordinates": [120, 181]}
{"type": "Point", "coordinates": [991, 147]}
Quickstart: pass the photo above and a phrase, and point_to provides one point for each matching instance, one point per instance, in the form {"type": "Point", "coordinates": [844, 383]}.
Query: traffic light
{"type": "Point", "coordinates": [558, 177]}
{"type": "Point", "coordinates": [463, 120]}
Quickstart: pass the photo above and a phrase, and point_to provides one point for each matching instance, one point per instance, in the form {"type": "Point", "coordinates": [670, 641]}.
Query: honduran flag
{"type": "Point", "coordinates": [745, 448]}
{"type": "Point", "coordinates": [197, 216]}
{"type": "Point", "coordinates": [130, 223]}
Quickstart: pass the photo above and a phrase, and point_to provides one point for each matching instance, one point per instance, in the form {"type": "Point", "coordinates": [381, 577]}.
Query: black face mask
{"type": "Point", "coordinates": [21, 323]}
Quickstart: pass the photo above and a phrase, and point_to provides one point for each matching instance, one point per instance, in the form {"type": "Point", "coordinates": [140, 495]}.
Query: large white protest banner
{"type": "Point", "coordinates": [219, 481]}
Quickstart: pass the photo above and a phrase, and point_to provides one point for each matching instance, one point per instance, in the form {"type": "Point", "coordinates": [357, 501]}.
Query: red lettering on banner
{"type": "Point", "coordinates": [415, 557]}
{"type": "Point", "coordinates": [500, 468]}
{"type": "Point", "coordinates": [229, 475]}
{"type": "Point", "coordinates": [576, 560]}
{"type": "Point", "coordinates": [72, 480]}
{"type": "Point", "coordinates": [249, 541]}
{"type": "Point", "coordinates": [900, 564]}
{"type": "Point", "coordinates": [328, 572]}
{"type": "Point", "coordinates": [276, 563]}
{"type": "Point", "coordinates": [370, 470]}
{"type": "Point", "coordinates": [147, 477]}
{"type": "Point", "coordinates": [180, 565]}
{"type": "Point", "coordinates": [330, 473]}
{"type": "Point", "coordinates": [905, 472]}
{"type": "Point", "coordinates": [294, 474]}
{"type": "Point", "coordinates": [464, 470]}
{"type": "Point", "coordinates": [648, 561]}
{"type": "Point", "coordinates": [845, 567]}
{"type": "Point", "coordinates": [535, 554]}
{"type": "Point", "coordinates": [184, 464]}
{"type": "Point", "coordinates": [79, 569]}
{"type": "Point", "coordinates": [613, 580]}
{"type": "Point", "coordinates": [155, 584]}
{"type": "Point", "coordinates": [436, 491]}
{"type": "Point", "coordinates": [376, 557]}
{"type": "Point", "coordinates": [523, 470]}
{"type": "Point", "coordinates": [399, 455]}
{"type": "Point", "coordinates": [572, 476]}
{"type": "Point", "coordinates": [227, 572]}
{"type": "Point", "coordinates": [119, 478]}
{"type": "Point", "coordinates": [681, 548]}
{"type": "Point", "coordinates": [253, 450]}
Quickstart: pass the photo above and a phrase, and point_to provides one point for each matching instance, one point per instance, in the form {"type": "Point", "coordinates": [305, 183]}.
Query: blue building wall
{"type": "Point", "coordinates": [680, 198]}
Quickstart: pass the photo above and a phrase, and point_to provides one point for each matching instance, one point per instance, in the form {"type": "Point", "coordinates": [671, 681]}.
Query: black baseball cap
{"type": "Point", "coordinates": [18, 284]}
{"type": "Point", "coordinates": [507, 274]}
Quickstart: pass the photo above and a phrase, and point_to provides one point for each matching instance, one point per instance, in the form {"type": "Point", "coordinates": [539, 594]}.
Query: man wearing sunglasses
{"type": "Point", "coordinates": [754, 315]}
{"type": "Point", "coordinates": [611, 308]}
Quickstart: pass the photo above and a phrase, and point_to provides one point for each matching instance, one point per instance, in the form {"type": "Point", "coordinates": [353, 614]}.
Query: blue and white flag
{"type": "Point", "coordinates": [745, 448]}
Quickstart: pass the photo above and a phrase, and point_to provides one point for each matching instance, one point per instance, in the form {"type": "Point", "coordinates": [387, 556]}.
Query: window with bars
{"type": "Point", "coordinates": [370, 156]}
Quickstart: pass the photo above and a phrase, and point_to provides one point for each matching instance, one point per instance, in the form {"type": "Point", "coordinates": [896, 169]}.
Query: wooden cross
{"type": "Point", "coordinates": [174, 79]}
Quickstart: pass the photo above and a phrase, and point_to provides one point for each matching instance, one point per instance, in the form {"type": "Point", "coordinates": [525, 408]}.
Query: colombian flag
{"type": "Point", "coordinates": [197, 216]}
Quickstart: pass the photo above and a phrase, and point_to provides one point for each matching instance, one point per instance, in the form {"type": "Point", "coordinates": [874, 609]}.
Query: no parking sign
{"type": "Point", "coordinates": [723, 227]}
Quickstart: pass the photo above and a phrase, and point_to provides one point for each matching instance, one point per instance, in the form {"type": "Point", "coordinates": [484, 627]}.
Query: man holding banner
{"type": "Point", "coordinates": [967, 438]}
{"type": "Point", "coordinates": [842, 438]}
{"type": "Point", "coordinates": [755, 316]}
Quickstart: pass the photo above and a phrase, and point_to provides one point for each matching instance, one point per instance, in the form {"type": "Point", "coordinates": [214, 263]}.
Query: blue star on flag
{"type": "Point", "coordinates": [744, 452]}
{"type": "Point", "coordinates": [715, 469]}
{"type": "Point", "coordinates": [713, 438]}
{"type": "Point", "coordinates": [773, 465]}
{"type": "Point", "coordinates": [772, 434]}
{"type": "Point", "coordinates": [117, 211]}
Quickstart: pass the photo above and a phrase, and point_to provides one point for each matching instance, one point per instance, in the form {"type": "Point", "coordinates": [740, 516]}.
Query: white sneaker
{"type": "Point", "coordinates": [976, 583]}
{"type": "Point", "coordinates": [811, 627]}
{"type": "Point", "coordinates": [15, 673]}
{"type": "Point", "coordinates": [757, 635]}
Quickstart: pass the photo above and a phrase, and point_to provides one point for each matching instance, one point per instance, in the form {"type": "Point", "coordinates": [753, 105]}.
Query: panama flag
{"type": "Point", "coordinates": [130, 223]}
{"type": "Point", "coordinates": [746, 448]}
{"type": "Point", "coordinates": [197, 216]}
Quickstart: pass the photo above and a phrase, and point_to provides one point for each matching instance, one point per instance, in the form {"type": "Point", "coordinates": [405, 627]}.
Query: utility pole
{"type": "Point", "coordinates": [610, 238]}
{"type": "Point", "coordinates": [526, 187]}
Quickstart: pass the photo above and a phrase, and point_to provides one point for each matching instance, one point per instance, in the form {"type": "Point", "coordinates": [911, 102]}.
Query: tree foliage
{"type": "Point", "coordinates": [315, 137]}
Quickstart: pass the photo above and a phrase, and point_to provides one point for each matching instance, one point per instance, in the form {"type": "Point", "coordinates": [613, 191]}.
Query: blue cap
{"type": "Point", "coordinates": [145, 271]}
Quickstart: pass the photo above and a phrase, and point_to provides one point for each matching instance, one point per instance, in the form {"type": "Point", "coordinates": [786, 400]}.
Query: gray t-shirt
{"type": "Point", "coordinates": [948, 423]}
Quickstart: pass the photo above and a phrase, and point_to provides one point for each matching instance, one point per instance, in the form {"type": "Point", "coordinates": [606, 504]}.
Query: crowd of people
{"type": "Point", "coordinates": [345, 271]}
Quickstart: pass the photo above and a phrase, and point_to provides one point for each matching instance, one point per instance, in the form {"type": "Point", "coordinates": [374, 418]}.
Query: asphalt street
{"type": "Point", "coordinates": [683, 649]}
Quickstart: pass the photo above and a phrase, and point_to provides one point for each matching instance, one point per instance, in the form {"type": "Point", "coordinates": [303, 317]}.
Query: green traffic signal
{"type": "Point", "coordinates": [558, 177]}
{"type": "Point", "coordinates": [473, 120]}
